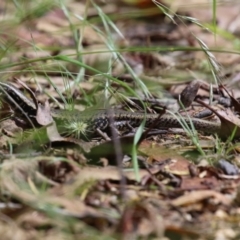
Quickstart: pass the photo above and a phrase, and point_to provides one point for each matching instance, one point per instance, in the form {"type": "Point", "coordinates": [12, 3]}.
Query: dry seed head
{"type": "Point", "coordinates": [76, 128]}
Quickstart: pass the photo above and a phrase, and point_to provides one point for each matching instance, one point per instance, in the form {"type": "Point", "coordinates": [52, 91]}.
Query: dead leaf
{"type": "Point", "coordinates": [171, 161]}
{"type": "Point", "coordinates": [229, 121]}
{"type": "Point", "coordinates": [108, 150]}
{"type": "Point", "coordinates": [52, 132]}
{"type": "Point", "coordinates": [189, 93]}
{"type": "Point", "coordinates": [141, 218]}
{"type": "Point", "coordinates": [44, 116]}
{"type": "Point", "coordinates": [100, 173]}
{"type": "Point", "coordinates": [197, 196]}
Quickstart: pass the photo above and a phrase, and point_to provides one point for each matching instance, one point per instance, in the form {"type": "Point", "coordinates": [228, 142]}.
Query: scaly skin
{"type": "Point", "coordinates": [102, 119]}
{"type": "Point", "coordinates": [18, 100]}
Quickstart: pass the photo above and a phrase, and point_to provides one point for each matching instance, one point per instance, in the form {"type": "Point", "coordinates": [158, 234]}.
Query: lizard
{"type": "Point", "coordinates": [102, 119]}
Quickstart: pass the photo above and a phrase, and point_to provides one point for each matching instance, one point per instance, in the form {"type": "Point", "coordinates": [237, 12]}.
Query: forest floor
{"type": "Point", "coordinates": [141, 182]}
